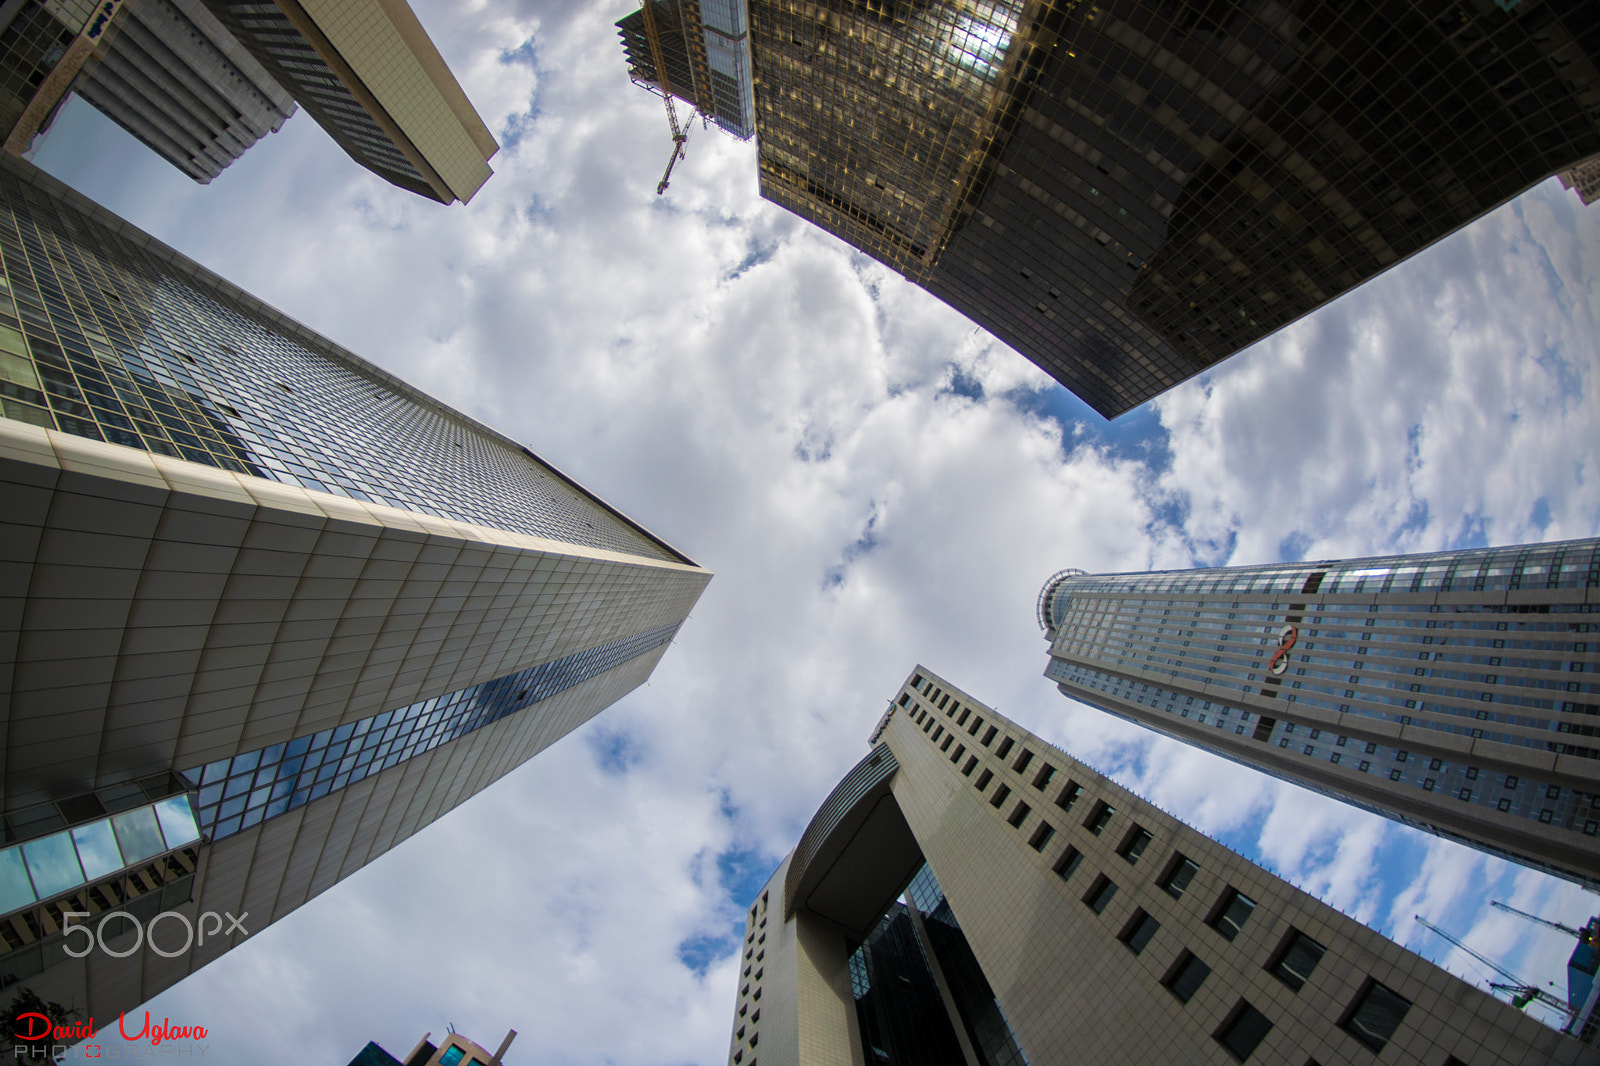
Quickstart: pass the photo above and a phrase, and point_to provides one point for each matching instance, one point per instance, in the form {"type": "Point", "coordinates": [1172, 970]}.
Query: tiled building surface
{"type": "Point", "coordinates": [1063, 919]}
{"type": "Point", "coordinates": [1453, 691]}
{"type": "Point", "coordinates": [175, 79]}
{"type": "Point", "coordinates": [369, 75]}
{"type": "Point", "coordinates": [265, 611]}
{"type": "Point", "coordinates": [1128, 192]}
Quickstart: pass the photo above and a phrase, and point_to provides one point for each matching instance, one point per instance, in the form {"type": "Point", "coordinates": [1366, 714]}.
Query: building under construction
{"type": "Point", "coordinates": [699, 54]}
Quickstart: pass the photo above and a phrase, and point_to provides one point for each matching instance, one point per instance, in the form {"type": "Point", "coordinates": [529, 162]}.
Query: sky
{"type": "Point", "coordinates": [876, 484]}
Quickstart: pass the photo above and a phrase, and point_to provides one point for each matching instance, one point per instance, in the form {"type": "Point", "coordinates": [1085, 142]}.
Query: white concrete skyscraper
{"type": "Point", "coordinates": [1454, 691]}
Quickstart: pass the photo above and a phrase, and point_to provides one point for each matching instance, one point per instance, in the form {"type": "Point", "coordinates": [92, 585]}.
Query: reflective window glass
{"type": "Point", "coordinates": [15, 888]}
{"type": "Point", "coordinates": [54, 864]}
{"type": "Point", "coordinates": [177, 821]}
{"type": "Point", "coordinates": [97, 849]}
{"type": "Point", "coordinates": [138, 834]}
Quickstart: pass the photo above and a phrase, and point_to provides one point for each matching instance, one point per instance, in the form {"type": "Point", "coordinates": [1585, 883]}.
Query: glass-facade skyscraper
{"type": "Point", "coordinates": [1128, 192]}
{"type": "Point", "coordinates": [1453, 691]}
{"type": "Point", "coordinates": [266, 610]}
{"type": "Point", "coordinates": [970, 894]}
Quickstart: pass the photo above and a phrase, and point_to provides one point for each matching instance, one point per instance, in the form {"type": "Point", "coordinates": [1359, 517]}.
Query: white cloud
{"type": "Point", "coordinates": [781, 409]}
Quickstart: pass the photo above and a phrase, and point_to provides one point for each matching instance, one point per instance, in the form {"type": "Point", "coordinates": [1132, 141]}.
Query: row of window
{"type": "Point", "coordinates": [1372, 1018]}
{"type": "Point", "coordinates": [746, 1034]}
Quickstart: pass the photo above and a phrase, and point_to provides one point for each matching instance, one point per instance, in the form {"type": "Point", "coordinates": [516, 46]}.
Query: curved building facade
{"type": "Point", "coordinates": [1454, 691]}
{"type": "Point", "coordinates": [970, 895]}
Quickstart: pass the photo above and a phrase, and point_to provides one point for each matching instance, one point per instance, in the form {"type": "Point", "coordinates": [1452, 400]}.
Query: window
{"type": "Point", "coordinates": [1187, 975]}
{"type": "Point", "coordinates": [1178, 878]}
{"type": "Point", "coordinates": [1099, 817]}
{"type": "Point", "coordinates": [1137, 933]}
{"type": "Point", "coordinates": [983, 780]}
{"type": "Point", "coordinates": [1068, 863]}
{"type": "Point", "coordinates": [1100, 893]}
{"type": "Point", "coordinates": [1232, 913]}
{"type": "Point", "coordinates": [1069, 795]}
{"type": "Point", "coordinates": [1041, 836]}
{"type": "Point", "coordinates": [1041, 780]}
{"type": "Point", "coordinates": [1377, 1013]}
{"type": "Point", "coordinates": [1019, 815]}
{"type": "Point", "coordinates": [1512, 781]}
{"type": "Point", "coordinates": [452, 1055]}
{"type": "Point", "coordinates": [1022, 761]}
{"type": "Point", "coordinates": [972, 764]}
{"type": "Point", "coordinates": [988, 737]}
{"type": "Point", "coordinates": [1005, 748]}
{"type": "Point", "coordinates": [1244, 1031]}
{"type": "Point", "coordinates": [1296, 959]}
{"type": "Point", "coordinates": [1133, 847]}
{"type": "Point", "coordinates": [955, 756]}
{"type": "Point", "coordinates": [1000, 795]}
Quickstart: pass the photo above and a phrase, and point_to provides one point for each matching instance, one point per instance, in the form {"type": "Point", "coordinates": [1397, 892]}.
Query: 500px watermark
{"type": "Point", "coordinates": [146, 930]}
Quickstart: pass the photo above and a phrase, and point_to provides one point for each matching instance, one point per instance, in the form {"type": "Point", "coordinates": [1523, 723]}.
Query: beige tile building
{"type": "Point", "coordinates": [971, 895]}
{"type": "Point", "coordinates": [265, 610]}
{"type": "Point", "coordinates": [368, 73]}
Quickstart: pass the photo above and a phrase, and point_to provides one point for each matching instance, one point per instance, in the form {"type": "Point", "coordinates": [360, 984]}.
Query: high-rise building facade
{"type": "Point", "coordinates": [453, 1050]}
{"type": "Point", "coordinates": [43, 46]}
{"type": "Point", "coordinates": [368, 73]}
{"type": "Point", "coordinates": [699, 53]}
{"type": "Point", "coordinates": [1127, 193]}
{"type": "Point", "coordinates": [266, 610]}
{"type": "Point", "coordinates": [969, 895]}
{"type": "Point", "coordinates": [175, 79]}
{"type": "Point", "coordinates": [1454, 691]}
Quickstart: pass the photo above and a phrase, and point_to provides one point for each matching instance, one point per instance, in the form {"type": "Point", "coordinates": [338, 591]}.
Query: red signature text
{"type": "Point", "coordinates": [165, 1031]}
{"type": "Point", "coordinates": [35, 1026]}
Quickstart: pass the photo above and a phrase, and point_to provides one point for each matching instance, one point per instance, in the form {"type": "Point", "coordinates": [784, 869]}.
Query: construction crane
{"type": "Point", "coordinates": [1522, 992]}
{"type": "Point", "coordinates": [1522, 995]}
{"type": "Point", "coordinates": [680, 132]}
{"type": "Point", "coordinates": [1581, 934]}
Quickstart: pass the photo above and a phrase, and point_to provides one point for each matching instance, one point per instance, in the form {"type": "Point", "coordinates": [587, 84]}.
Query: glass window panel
{"type": "Point", "coordinates": [138, 834]}
{"type": "Point", "coordinates": [97, 849]}
{"type": "Point", "coordinates": [15, 888]}
{"type": "Point", "coordinates": [54, 864]}
{"type": "Point", "coordinates": [177, 821]}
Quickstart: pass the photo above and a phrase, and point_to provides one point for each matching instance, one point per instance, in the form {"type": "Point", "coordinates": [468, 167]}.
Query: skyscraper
{"type": "Point", "coordinates": [1453, 691]}
{"type": "Point", "coordinates": [368, 73]}
{"type": "Point", "coordinates": [1127, 193]}
{"type": "Point", "coordinates": [199, 80]}
{"type": "Point", "coordinates": [175, 79]}
{"type": "Point", "coordinates": [266, 610]}
{"type": "Point", "coordinates": [697, 53]}
{"type": "Point", "coordinates": [969, 894]}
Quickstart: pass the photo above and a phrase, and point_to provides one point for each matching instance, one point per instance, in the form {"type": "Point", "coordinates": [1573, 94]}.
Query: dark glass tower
{"type": "Point", "coordinates": [1128, 192]}
{"type": "Point", "coordinates": [1454, 691]}
{"type": "Point", "coordinates": [266, 610]}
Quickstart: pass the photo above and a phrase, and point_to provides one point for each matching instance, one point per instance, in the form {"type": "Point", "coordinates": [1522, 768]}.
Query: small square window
{"type": "Point", "coordinates": [1365, 766]}
{"type": "Point", "coordinates": [1137, 933]}
{"type": "Point", "coordinates": [1133, 846]}
{"type": "Point", "coordinates": [1504, 804]}
{"type": "Point", "coordinates": [1296, 959]}
{"type": "Point", "coordinates": [1186, 977]}
{"type": "Point", "coordinates": [1394, 775]}
{"type": "Point", "coordinates": [1552, 792]}
{"type": "Point", "coordinates": [1244, 1031]}
{"type": "Point", "coordinates": [1232, 912]}
{"type": "Point", "coordinates": [1099, 817]}
{"type": "Point", "coordinates": [1178, 878]}
{"type": "Point", "coordinates": [1069, 795]}
{"type": "Point", "coordinates": [1512, 781]}
{"type": "Point", "coordinates": [1372, 748]}
{"type": "Point", "coordinates": [1100, 894]}
{"type": "Point", "coordinates": [1376, 1014]}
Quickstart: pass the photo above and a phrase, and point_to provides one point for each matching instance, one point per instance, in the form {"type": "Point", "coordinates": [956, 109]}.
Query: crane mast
{"type": "Point", "coordinates": [680, 132]}
{"type": "Point", "coordinates": [1579, 933]}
